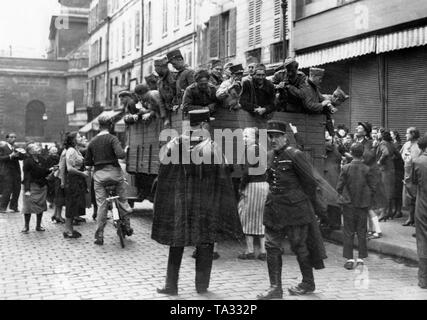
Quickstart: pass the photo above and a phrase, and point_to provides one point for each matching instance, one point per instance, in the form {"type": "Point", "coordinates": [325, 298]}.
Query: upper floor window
{"type": "Point", "coordinates": [305, 8]}
{"type": "Point", "coordinates": [165, 16]}
{"type": "Point", "coordinates": [188, 10]}
{"type": "Point", "coordinates": [176, 14]}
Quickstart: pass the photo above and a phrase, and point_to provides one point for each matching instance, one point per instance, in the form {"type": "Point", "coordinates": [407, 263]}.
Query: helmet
{"type": "Point", "coordinates": [105, 120]}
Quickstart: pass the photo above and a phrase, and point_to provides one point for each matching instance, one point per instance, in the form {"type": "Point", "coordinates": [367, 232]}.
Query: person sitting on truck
{"type": "Point", "coordinates": [200, 95]}
{"type": "Point", "coordinates": [151, 102]}
{"type": "Point", "coordinates": [230, 90]}
{"type": "Point", "coordinates": [166, 85]}
{"type": "Point", "coordinates": [103, 153]}
{"type": "Point", "coordinates": [184, 77]}
{"type": "Point", "coordinates": [258, 94]}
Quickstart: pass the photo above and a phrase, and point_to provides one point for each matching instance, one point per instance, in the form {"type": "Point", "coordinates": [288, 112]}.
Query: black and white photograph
{"type": "Point", "coordinates": [212, 155]}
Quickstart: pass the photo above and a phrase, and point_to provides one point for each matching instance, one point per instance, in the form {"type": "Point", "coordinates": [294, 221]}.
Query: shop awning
{"type": "Point", "coordinates": [94, 125]}
{"type": "Point", "coordinates": [336, 53]}
{"type": "Point", "coordinates": [402, 39]}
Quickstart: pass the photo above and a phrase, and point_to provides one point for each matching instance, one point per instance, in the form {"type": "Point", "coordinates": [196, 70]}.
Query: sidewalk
{"type": "Point", "coordinates": [396, 240]}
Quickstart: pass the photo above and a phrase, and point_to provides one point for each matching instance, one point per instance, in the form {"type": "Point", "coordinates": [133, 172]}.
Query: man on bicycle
{"type": "Point", "coordinates": [103, 153]}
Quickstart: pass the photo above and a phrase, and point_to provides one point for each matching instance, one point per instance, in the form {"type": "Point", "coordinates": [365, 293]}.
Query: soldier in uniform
{"type": "Point", "coordinates": [151, 102]}
{"type": "Point", "coordinates": [216, 73]}
{"type": "Point", "coordinates": [166, 85]}
{"type": "Point", "coordinates": [151, 81]}
{"type": "Point", "coordinates": [184, 77]}
{"type": "Point", "coordinates": [194, 203]}
{"type": "Point", "coordinates": [201, 94]}
{"type": "Point", "coordinates": [230, 90]}
{"type": "Point", "coordinates": [289, 211]}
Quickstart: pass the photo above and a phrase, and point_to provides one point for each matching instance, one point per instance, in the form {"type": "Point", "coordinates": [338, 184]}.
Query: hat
{"type": "Point", "coordinates": [141, 89]}
{"type": "Point", "coordinates": [276, 127]}
{"type": "Point", "coordinates": [228, 65]}
{"type": "Point", "coordinates": [367, 126]}
{"type": "Point", "coordinates": [260, 66]}
{"type": "Point", "coordinates": [125, 93]}
{"type": "Point", "coordinates": [216, 63]}
{"type": "Point", "coordinates": [237, 68]}
{"type": "Point", "coordinates": [289, 61]}
{"type": "Point", "coordinates": [174, 54]}
{"type": "Point", "coordinates": [317, 72]}
{"type": "Point", "coordinates": [161, 61]}
{"type": "Point", "coordinates": [198, 116]}
{"type": "Point", "coordinates": [202, 73]}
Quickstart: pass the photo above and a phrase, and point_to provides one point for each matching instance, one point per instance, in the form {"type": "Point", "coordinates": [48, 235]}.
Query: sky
{"type": "Point", "coordinates": [24, 24]}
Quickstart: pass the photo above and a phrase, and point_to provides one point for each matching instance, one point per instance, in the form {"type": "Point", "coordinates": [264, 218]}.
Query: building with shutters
{"type": "Point", "coordinates": [376, 50]}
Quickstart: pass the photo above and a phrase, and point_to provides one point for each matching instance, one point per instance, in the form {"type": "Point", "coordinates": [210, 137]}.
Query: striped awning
{"type": "Point", "coordinates": [336, 53]}
{"type": "Point", "coordinates": [402, 39]}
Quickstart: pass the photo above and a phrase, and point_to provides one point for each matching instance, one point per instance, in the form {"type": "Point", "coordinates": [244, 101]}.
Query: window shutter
{"type": "Point", "coordinates": [255, 7]}
{"type": "Point", "coordinates": [233, 31]}
{"type": "Point", "coordinates": [214, 25]}
{"type": "Point", "coordinates": [137, 30]}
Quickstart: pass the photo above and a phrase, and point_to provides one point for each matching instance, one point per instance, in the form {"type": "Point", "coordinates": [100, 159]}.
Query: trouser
{"type": "Point", "coordinates": [203, 266]}
{"type": "Point", "coordinates": [27, 219]}
{"type": "Point", "coordinates": [11, 187]}
{"type": "Point", "coordinates": [334, 216]}
{"type": "Point", "coordinates": [100, 177]}
{"type": "Point", "coordinates": [297, 236]}
{"type": "Point", "coordinates": [355, 222]}
{"type": "Point", "coordinates": [422, 273]}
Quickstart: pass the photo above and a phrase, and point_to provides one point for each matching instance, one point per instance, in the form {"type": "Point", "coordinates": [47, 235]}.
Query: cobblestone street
{"type": "Point", "coordinates": [47, 266]}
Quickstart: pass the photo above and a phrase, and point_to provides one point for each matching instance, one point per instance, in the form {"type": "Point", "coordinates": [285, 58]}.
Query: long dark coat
{"type": "Point", "coordinates": [419, 178]}
{"type": "Point", "coordinates": [194, 203]}
{"type": "Point", "coordinates": [385, 157]}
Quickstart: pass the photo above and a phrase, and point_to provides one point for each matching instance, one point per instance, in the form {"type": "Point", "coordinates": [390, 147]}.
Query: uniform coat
{"type": "Point", "coordinates": [253, 96]}
{"type": "Point", "coordinates": [184, 78]}
{"type": "Point", "coordinates": [194, 203]}
{"type": "Point", "coordinates": [11, 175]}
{"type": "Point", "coordinates": [419, 178]}
{"type": "Point", "coordinates": [194, 98]}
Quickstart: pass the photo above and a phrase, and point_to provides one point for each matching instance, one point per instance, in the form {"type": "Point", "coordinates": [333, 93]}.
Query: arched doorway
{"type": "Point", "coordinates": [34, 124]}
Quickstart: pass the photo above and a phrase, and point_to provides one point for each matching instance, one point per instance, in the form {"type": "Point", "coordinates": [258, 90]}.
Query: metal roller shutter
{"type": "Point", "coordinates": [407, 94]}
{"type": "Point", "coordinates": [365, 99]}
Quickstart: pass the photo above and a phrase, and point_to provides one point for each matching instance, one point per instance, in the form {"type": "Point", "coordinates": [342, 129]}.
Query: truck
{"type": "Point", "coordinates": [144, 145]}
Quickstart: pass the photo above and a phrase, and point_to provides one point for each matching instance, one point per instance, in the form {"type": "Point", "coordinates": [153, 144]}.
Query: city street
{"type": "Point", "coordinates": [47, 266]}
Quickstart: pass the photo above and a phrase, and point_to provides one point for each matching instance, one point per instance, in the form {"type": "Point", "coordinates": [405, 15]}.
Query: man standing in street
{"type": "Point", "coordinates": [184, 77]}
{"type": "Point", "coordinates": [11, 172]}
{"type": "Point", "coordinates": [194, 203]}
{"type": "Point", "coordinates": [289, 212]}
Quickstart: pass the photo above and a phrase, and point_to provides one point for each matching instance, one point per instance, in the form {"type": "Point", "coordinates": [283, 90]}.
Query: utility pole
{"type": "Point", "coordinates": [285, 28]}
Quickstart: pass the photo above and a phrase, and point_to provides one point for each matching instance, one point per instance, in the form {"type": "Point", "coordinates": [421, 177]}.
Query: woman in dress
{"type": "Point", "coordinates": [399, 171]}
{"type": "Point", "coordinates": [35, 186]}
{"type": "Point", "coordinates": [253, 189]}
{"type": "Point", "coordinates": [75, 184]}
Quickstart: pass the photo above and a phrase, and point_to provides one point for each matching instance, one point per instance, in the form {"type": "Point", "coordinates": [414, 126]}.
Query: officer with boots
{"type": "Point", "coordinates": [289, 212]}
{"type": "Point", "coordinates": [194, 205]}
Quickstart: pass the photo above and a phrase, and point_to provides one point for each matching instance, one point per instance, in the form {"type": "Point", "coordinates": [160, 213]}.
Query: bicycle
{"type": "Point", "coordinates": [114, 210]}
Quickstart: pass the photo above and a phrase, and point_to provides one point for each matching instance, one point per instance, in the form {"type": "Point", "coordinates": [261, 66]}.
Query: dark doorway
{"type": "Point", "coordinates": [34, 124]}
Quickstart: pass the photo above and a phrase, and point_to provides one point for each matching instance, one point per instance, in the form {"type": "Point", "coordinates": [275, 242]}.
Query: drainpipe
{"type": "Point", "coordinates": [107, 58]}
{"type": "Point", "coordinates": [142, 38]}
{"type": "Point", "coordinates": [285, 27]}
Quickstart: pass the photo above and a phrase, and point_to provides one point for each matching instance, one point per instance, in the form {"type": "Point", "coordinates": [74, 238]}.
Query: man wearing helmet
{"type": "Point", "coordinates": [103, 153]}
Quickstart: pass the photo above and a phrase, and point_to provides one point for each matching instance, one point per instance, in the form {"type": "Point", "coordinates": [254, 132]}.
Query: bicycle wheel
{"type": "Point", "coordinates": [121, 234]}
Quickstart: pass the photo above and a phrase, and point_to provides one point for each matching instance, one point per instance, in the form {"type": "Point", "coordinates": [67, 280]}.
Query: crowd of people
{"type": "Point", "coordinates": [368, 177]}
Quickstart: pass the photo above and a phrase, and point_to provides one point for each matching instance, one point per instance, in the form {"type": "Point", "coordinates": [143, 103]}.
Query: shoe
{"type": "Point", "coordinates": [3, 210]}
{"type": "Point", "coordinates": [99, 242]}
{"type": "Point", "coordinates": [349, 265]}
{"type": "Point", "coordinates": [383, 218]}
{"type": "Point", "coordinates": [168, 291]}
{"type": "Point", "coordinates": [40, 229]}
{"type": "Point", "coordinates": [202, 291]}
{"type": "Point", "coordinates": [375, 236]}
{"type": "Point", "coordinates": [77, 234]}
{"type": "Point", "coordinates": [262, 257]}
{"type": "Point", "coordinates": [360, 262]}
{"type": "Point", "coordinates": [247, 256]}
{"type": "Point", "coordinates": [215, 256]}
{"type": "Point", "coordinates": [15, 210]}
{"type": "Point", "coordinates": [58, 220]}
{"type": "Point", "coordinates": [129, 232]}
{"type": "Point", "coordinates": [70, 235]}
{"type": "Point", "coordinates": [300, 290]}
{"type": "Point", "coordinates": [408, 224]}
{"type": "Point", "coordinates": [80, 220]}
{"type": "Point", "coordinates": [94, 216]}
{"type": "Point", "coordinates": [25, 230]}
{"type": "Point", "coordinates": [272, 293]}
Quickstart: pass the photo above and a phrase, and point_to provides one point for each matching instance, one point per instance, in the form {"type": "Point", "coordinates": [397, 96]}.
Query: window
{"type": "Point", "coordinates": [111, 90]}
{"type": "Point", "coordinates": [34, 124]}
{"type": "Point", "coordinates": [176, 14]}
{"type": "Point", "coordinates": [137, 30]}
{"type": "Point", "coordinates": [117, 44]}
{"type": "Point", "coordinates": [188, 10]}
{"type": "Point", "coordinates": [150, 24]}
{"type": "Point", "coordinates": [305, 8]}
{"type": "Point", "coordinates": [276, 52]}
{"type": "Point", "coordinates": [225, 35]}
{"type": "Point", "coordinates": [100, 50]}
{"type": "Point", "coordinates": [129, 46]}
{"type": "Point", "coordinates": [129, 77]}
{"type": "Point", "coordinates": [123, 79]}
{"type": "Point", "coordinates": [255, 7]}
{"type": "Point", "coordinates": [123, 39]}
{"type": "Point", "coordinates": [255, 54]}
{"type": "Point", "coordinates": [165, 17]}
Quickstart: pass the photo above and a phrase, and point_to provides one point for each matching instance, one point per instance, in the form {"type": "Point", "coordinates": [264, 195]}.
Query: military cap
{"type": "Point", "coordinates": [174, 54]}
{"type": "Point", "coordinates": [216, 63]}
{"type": "Point", "coordinates": [289, 61]}
{"type": "Point", "coordinates": [199, 116]}
{"type": "Point", "coordinates": [317, 72]}
{"type": "Point", "coordinates": [237, 68]}
{"type": "Point", "coordinates": [274, 126]}
{"type": "Point", "coordinates": [160, 61]}
{"type": "Point", "coordinates": [367, 126]}
{"type": "Point", "coordinates": [141, 89]}
{"type": "Point", "coordinates": [260, 66]}
{"type": "Point", "coordinates": [125, 93]}
{"type": "Point", "coordinates": [202, 73]}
